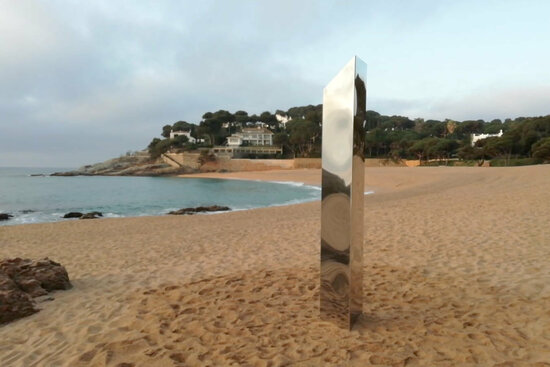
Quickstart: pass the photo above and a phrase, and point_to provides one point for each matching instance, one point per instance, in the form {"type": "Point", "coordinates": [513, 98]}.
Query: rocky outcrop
{"type": "Point", "coordinates": [14, 303]}
{"type": "Point", "coordinates": [73, 215]}
{"type": "Point", "coordinates": [71, 173]}
{"type": "Point", "coordinates": [5, 216]}
{"type": "Point", "coordinates": [36, 277]}
{"type": "Point", "coordinates": [135, 164]}
{"type": "Point", "coordinates": [23, 279]}
{"type": "Point", "coordinates": [90, 215]}
{"type": "Point", "coordinates": [200, 209]}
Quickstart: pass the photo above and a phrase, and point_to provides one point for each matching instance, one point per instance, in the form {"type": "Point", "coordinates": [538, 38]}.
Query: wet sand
{"type": "Point", "coordinates": [455, 271]}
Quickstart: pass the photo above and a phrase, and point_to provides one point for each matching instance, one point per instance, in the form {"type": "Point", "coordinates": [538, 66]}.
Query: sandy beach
{"type": "Point", "coordinates": [455, 270]}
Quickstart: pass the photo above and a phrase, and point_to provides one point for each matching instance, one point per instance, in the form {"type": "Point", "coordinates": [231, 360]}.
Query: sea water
{"type": "Point", "coordinates": [34, 199]}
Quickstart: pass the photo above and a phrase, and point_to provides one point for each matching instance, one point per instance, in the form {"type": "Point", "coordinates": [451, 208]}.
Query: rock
{"type": "Point", "coordinates": [35, 277]}
{"type": "Point", "coordinates": [37, 175]}
{"type": "Point", "coordinates": [23, 279]}
{"type": "Point", "coordinates": [5, 216]}
{"type": "Point", "coordinates": [32, 287]}
{"type": "Point", "coordinates": [73, 215]}
{"type": "Point", "coordinates": [45, 299]}
{"type": "Point", "coordinates": [182, 211]}
{"type": "Point", "coordinates": [71, 173]}
{"type": "Point", "coordinates": [91, 215]}
{"type": "Point", "coordinates": [213, 208]}
{"type": "Point", "coordinates": [200, 209]}
{"type": "Point", "coordinates": [27, 211]}
{"type": "Point", "coordinates": [88, 216]}
{"type": "Point", "coordinates": [14, 303]}
{"type": "Point", "coordinates": [64, 174]}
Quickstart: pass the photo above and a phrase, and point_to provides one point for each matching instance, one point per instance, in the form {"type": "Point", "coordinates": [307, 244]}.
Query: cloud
{"type": "Point", "coordinates": [487, 104]}
{"type": "Point", "coordinates": [116, 73]}
{"type": "Point", "coordinates": [84, 81]}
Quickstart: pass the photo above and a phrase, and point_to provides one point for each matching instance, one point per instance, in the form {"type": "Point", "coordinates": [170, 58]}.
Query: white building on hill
{"type": "Point", "coordinates": [283, 119]}
{"type": "Point", "coordinates": [251, 136]}
{"type": "Point", "coordinates": [477, 137]}
{"type": "Point", "coordinates": [174, 134]}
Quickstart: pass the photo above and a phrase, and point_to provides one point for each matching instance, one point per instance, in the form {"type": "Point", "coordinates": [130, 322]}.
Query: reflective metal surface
{"type": "Point", "coordinates": [344, 110]}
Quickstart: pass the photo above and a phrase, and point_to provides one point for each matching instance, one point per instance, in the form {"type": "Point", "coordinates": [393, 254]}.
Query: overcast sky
{"type": "Point", "coordinates": [83, 81]}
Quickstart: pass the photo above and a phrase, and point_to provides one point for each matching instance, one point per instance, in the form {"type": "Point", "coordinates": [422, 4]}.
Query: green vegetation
{"type": "Point", "coordinates": [157, 147]}
{"type": "Point", "coordinates": [301, 137]}
{"type": "Point", "coordinates": [525, 140]}
{"type": "Point", "coordinates": [541, 149]}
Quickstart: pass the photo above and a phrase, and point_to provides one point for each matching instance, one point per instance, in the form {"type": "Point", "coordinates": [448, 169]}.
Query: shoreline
{"type": "Point", "coordinates": [306, 176]}
{"type": "Point", "coordinates": [257, 177]}
{"type": "Point", "coordinates": [302, 176]}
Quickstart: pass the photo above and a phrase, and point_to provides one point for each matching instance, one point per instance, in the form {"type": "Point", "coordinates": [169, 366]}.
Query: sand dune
{"type": "Point", "coordinates": [455, 270]}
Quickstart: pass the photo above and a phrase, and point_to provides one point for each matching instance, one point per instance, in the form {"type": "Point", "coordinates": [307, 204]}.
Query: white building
{"type": "Point", "coordinates": [257, 124]}
{"type": "Point", "coordinates": [283, 119]}
{"type": "Point", "coordinates": [227, 125]}
{"type": "Point", "coordinates": [234, 140]}
{"type": "Point", "coordinates": [477, 137]}
{"type": "Point", "coordinates": [174, 134]}
{"type": "Point", "coordinates": [251, 136]}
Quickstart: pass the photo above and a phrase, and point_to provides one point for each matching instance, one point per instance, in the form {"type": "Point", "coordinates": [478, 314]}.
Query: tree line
{"type": "Point", "coordinates": [396, 137]}
{"type": "Point", "coordinates": [391, 137]}
{"type": "Point", "coordinates": [301, 136]}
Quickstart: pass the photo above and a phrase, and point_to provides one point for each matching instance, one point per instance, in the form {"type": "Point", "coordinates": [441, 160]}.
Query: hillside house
{"type": "Point", "coordinates": [259, 136]}
{"type": "Point", "coordinates": [477, 137]}
{"type": "Point", "coordinates": [174, 134]}
{"type": "Point", "coordinates": [283, 119]}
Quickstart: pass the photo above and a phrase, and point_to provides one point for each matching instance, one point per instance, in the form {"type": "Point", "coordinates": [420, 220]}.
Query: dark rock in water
{"type": "Point", "coordinates": [182, 211]}
{"type": "Point", "coordinates": [27, 211]}
{"type": "Point", "coordinates": [5, 216]}
{"type": "Point", "coordinates": [64, 174]}
{"type": "Point", "coordinates": [23, 279]}
{"type": "Point", "coordinates": [91, 215]}
{"type": "Point", "coordinates": [37, 175]}
{"type": "Point", "coordinates": [213, 208]}
{"type": "Point", "coordinates": [73, 215]}
{"type": "Point", "coordinates": [71, 173]}
{"type": "Point", "coordinates": [200, 209]}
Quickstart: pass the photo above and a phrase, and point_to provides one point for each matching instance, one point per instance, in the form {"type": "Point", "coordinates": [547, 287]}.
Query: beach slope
{"type": "Point", "coordinates": [455, 271]}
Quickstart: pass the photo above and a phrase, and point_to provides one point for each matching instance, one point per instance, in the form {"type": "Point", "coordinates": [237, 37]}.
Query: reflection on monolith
{"type": "Point", "coordinates": [344, 109]}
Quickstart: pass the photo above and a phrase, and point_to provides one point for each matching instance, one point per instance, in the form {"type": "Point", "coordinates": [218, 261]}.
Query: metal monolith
{"type": "Point", "coordinates": [344, 111]}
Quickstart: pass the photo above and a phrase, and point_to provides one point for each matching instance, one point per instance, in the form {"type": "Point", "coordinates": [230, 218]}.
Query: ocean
{"type": "Point", "coordinates": [35, 199]}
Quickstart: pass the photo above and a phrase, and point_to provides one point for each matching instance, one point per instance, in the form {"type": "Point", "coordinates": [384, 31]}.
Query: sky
{"type": "Point", "coordinates": [84, 81]}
